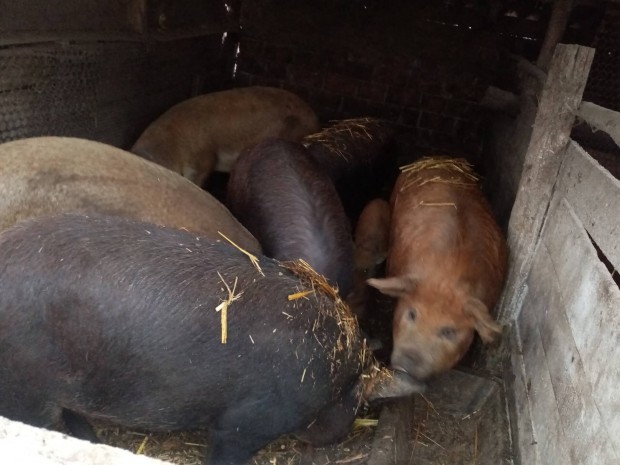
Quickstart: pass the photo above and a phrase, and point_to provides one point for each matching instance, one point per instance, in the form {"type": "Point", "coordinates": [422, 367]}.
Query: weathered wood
{"type": "Point", "coordinates": [550, 444]}
{"type": "Point", "coordinates": [500, 100]}
{"type": "Point", "coordinates": [594, 194]}
{"type": "Point", "coordinates": [601, 118]}
{"type": "Point", "coordinates": [519, 405]}
{"type": "Point", "coordinates": [581, 419]}
{"type": "Point", "coordinates": [392, 441]}
{"type": "Point", "coordinates": [526, 68]}
{"type": "Point", "coordinates": [565, 361]}
{"type": "Point", "coordinates": [586, 333]}
{"type": "Point", "coordinates": [561, 95]}
{"type": "Point", "coordinates": [555, 30]}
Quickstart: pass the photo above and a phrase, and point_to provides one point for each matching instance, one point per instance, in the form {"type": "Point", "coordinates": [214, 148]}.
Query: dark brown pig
{"type": "Point", "coordinates": [283, 197]}
{"type": "Point", "coordinates": [371, 247]}
{"type": "Point", "coordinates": [356, 154]}
{"type": "Point", "coordinates": [48, 175]}
{"type": "Point", "coordinates": [446, 266]}
{"type": "Point", "coordinates": [155, 329]}
{"type": "Point", "coordinates": [208, 132]}
{"type": "Point", "coordinates": [349, 145]}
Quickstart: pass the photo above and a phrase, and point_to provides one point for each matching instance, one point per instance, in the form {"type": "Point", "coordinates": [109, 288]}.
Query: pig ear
{"type": "Point", "coordinates": [484, 324]}
{"type": "Point", "coordinates": [395, 286]}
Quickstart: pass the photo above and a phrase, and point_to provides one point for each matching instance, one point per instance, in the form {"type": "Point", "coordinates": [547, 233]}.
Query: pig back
{"type": "Point", "coordinates": [209, 131]}
{"type": "Point", "coordinates": [443, 228]}
{"type": "Point", "coordinates": [50, 175]}
{"type": "Point", "coordinates": [284, 198]}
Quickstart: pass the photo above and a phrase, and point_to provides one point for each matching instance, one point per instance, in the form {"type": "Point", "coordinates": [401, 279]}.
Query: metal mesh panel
{"type": "Point", "coordinates": [107, 91]}
{"type": "Point", "coordinates": [38, 89]}
{"type": "Point", "coordinates": [603, 86]}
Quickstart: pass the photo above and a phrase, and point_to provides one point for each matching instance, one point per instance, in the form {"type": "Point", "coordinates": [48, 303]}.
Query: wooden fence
{"type": "Point", "coordinates": [565, 306]}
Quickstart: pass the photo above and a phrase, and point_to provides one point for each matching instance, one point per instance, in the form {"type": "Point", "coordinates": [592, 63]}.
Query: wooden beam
{"type": "Point", "coordinates": [601, 118]}
{"type": "Point", "coordinates": [500, 100]}
{"type": "Point", "coordinates": [558, 102]}
{"type": "Point", "coordinates": [555, 30]}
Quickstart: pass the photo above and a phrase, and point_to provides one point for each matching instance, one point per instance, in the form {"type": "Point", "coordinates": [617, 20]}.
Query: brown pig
{"type": "Point", "coordinates": [371, 247]}
{"type": "Point", "coordinates": [446, 266]}
{"type": "Point", "coordinates": [208, 132]}
{"type": "Point", "coordinates": [50, 175]}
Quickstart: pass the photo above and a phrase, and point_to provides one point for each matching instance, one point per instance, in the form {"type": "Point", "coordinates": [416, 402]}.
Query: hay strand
{"type": "Point", "coordinates": [223, 307]}
{"type": "Point", "coordinates": [457, 171]}
{"type": "Point", "coordinates": [142, 446]}
{"type": "Point", "coordinates": [365, 422]}
{"type": "Point", "coordinates": [252, 258]}
{"type": "Point", "coordinates": [331, 137]}
{"type": "Point", "coordinates": [438, 204]}
{"type": "Point", "coordinates": [300, 295]}
{"type": "Point", "coordinates": [319, 284]}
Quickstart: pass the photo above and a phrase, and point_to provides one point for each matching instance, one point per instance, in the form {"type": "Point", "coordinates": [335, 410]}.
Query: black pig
{"type": "Point", "coordinates": [284, 198]}
{"type": "Point", "coordinates": [113, 319]}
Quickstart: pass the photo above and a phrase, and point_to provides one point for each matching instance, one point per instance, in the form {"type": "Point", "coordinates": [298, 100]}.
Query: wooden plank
{"type": "Point", "coordinates": [519, 404]}
{"type": "Point", "coordinates": [587, 440]}
{"type": "Point", "coordinates": [594, 195]}
{"type": "Point", "coordinates": [392, 441]}
{"type": "Point", "coordinates": [546, 423]}
{"type": "Point", "coordinates": [562, 92]}
{"type": "Point", "coordinates": [591, 301]}
{"type": "Point", "coordinates": [602, 119]}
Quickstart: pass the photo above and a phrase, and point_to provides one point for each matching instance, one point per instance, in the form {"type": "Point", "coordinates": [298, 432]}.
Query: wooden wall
{"type": "Point", "coordinates": [568, 332]}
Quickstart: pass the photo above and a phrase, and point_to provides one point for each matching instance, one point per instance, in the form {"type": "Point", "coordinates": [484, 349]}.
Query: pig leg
{"type": "Point", "coordinates": [78, 426]}
{"type": "Point", "coordinates": [333, 422]}
{"type": "Point", "coordinates": [234, 447]}
{"type": "Point", "coordinates": [245, 429]}
{"type": "Point", "coordinates": [32, 411]}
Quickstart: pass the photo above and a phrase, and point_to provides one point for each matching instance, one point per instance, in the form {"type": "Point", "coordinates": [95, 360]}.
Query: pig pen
{"type": "Point", "coordinates": [454, 78]}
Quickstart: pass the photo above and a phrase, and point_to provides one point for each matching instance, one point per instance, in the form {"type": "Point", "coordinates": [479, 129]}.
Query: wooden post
{"type": "Point", "coordinates": [558, 104]}
{"type": "Point", "coordinates": [555, 30]}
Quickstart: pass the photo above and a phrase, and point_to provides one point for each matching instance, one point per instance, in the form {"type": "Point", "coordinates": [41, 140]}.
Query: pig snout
{"type": "Point", "coordinates": [427, 339]}
{"type": "Point", "coordinates": [389, 383]}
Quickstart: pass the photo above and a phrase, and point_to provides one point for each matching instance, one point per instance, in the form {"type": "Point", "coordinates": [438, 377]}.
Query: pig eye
{"type": "Point", "coordinates": [411, 314]}
{"type": "Point", "coordinates": [448, 332]}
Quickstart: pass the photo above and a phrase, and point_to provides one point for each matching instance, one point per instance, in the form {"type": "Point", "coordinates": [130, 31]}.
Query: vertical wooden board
{"type": "Point", "coordinates": [594, 195]}
{"type": "Point", "coordinates": [545, 416]}
{"type": "Point", "coordinates": [522, 424]}
{"type": "Point", "coordinates": [586, 438]}
{"type": "Point", "coordinates": [563, 89]}
{"type": "Point", "coordinates": [592, 301]}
